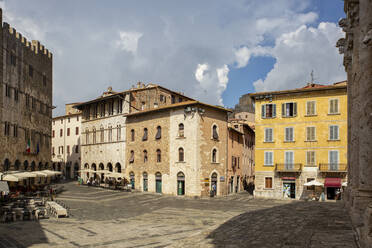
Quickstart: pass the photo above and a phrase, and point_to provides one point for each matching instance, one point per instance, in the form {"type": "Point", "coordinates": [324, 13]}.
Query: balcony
{"type": "Point", "coordinates": [333, 167]}
{"type": "Point", "coordinates": [288, 167]}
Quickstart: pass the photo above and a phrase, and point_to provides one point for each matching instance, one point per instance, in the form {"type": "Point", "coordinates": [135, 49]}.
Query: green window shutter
{"type": "Point", "coordinates": [294, 109]}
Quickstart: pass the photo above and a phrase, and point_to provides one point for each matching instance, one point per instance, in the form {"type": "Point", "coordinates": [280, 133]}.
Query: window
{"type": "Point", "coordinates": [132, 135]}
{"type": "Point", "coordinates": [180, 154]}
{"type": "Point", "coordinates": [158, 133]}
{"type": "Point", "coordinates": [61, 121]}
{"type": "Point", "coordinates": [68, 149]}
{"type": "Point", "coordinates": [95, 111]}
{"type": "Point", "coordinates": [310, 108]}
{"type": "Point", "coordinates": [76, 149]}
{"type": "Point", "coordinates": [310, 133]}
{"type": "Point", "coordinates": [162, 98]}
{"type": "Point", "coordinates": [180, 99]}
{"type": "Point", "coordinates": [6, 128]}
{"type": "Point", "coordinates": [27, 101]}
{"type": "Point", "coordinates": [16, 95]}
{"type": "Point", "coordinates": [144, 138]}
{"type": "Point", "coordinates": [333, 106]}
{"type": "Point", "coordinates": [7, 90]}
{"type": "Point", "coordinates": [120, 106]}
{"type": "Point", "coordinates": [288, 160]}
{"type": "Point", "coordinates": [268, 111]}
{"type": "Point", "coordinates": [77, 130]}
{"type": "Point", "coordinates": [333, 132]}
{"type": "Point", "coordinates": [158, 155]}
{"type": "Point", "coordinates": [145, 156]}
{"type": "Point", "coordinates": [214, 155]}
{"type": "Point", "coordinates": [214, 132]}
{"type": "Point", "coordinates": [30, 71]}
{"type": "Point", "coordinates": [118, 133]}
{"type": "Point", "coordinates": [68, 131]}
{"type": "Point", "coordinates": [268, 182]}
{"type": "Point", "coordinates": [12, 59]}
{"type": "Point", "coordinates": [289, 134]}
{"type": "Point", "coordinates": [87, 136]}
{"type": "Point", "coordinates": [289, 109]}
{"type": "Point", "coordinates": [53, 134]}
{"type": "Point", "coordinates": [94, 136]}
{"type": "Point", "coordinates": [268, 158]}
{"type": "Point", "coordinates": [60, 133]}
{"type": "Point", "coordinates": [102, 110]}
{"type": "Point", "coordinates": [53, 151]}
{"type": "Point", "coordinates": [77, 118]}
{"type": "Point", "coordinates": [269, 135]}
{"type": "Point", "coordinates": [333, 160]}
{"type": "Point", "coordinates": [181, 132]}
{"type": "Point", "coordinates": [131, 159]}
{"type": "Point", "coordinates": [110, 134]}
{"type": "Point", "coordinates": [173, 99]}
{"type": "Point", "coordinates": [310, 158]}
{"type": "Point", "coordinates": [111, 108]}
{"type": "Point", "coordinates": [15, 130]}
{"type": "Point", "coordinates": [102, 134]}
{"type": "Point", "coordinates": [44, 80]}
{"type": "Point", "coordinates": [156, 105]}
{"type": "Point", "coordinates": [33, 103]}
{"type": "Point", "coordinates": [143, 105]}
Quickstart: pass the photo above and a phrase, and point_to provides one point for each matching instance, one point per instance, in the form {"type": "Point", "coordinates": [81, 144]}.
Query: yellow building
{"type": "Point", "coordinates": [301, 135]}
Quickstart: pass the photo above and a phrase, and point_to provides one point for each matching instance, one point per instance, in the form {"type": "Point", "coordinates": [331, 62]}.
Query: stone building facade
{"type": "Point", "coordinates": [180, 149]}
{"type": "Point", "coordinates": [66, 136]}
{"type": "Point", "coordinates": [301, 135]}
{"type": "Point", "coordinates": [25, 102]}
{"type": "Point", "coordinates": [240, 171]}
{"type": "Point", "coordinates": [103, 136]}
{"type": "Point", "coordinates": [357, 49]}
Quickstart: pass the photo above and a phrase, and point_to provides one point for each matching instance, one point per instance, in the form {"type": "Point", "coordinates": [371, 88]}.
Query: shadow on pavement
{"type": "Point", "coordinates": [297, 224]}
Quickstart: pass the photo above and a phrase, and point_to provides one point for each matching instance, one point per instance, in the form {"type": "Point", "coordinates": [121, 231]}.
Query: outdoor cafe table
{"type": "Point", "coordinates": [60, 211]}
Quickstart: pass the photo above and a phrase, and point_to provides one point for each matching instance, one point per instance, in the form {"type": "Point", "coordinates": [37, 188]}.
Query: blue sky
{"type": "Point", "coordinates": [211, 50]}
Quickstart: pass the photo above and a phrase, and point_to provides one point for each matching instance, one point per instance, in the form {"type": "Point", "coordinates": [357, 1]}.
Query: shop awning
{"type": "Point", "coordinates": [10, 178]}
{"type": "Point", "coordinates": [332, 182]}
{"type": "Point", "coordinates": [4, 187]}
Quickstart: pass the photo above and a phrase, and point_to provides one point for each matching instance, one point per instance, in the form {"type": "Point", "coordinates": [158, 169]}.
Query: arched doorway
{"type": "Point", "coordinates": [46, 166]}
{"type": "Point", "coordinates": [54, 166]}
{"type": "Point", "coordinates": [86, 167]}
{"type": "Point", "coordinates": [102, 175]}
{"type": "Point", "coordinates": [40, 166]}
{"type": "Point", "coordinates": [6, 164]}
{"type": "Point", "coordinates": [132, 181]}
{"type": "Point", "coordinates": [25, 165]}
{"type": "Point", "coordinates": [94, 167]}
{"type": "Point", "coordinates": [68, 170]}
{"type": "Point", "coordinates": [33, 166]}
{"type": "Point", "coordinates": [76, 170]}
{"type": "Point", "coordinates": [109, 167]}
{"type": "Point", "coordinates": [59, 166]}
{"type": "Point", "coordinates": [180, 183]}
{"type": "Point", "coordinates": [158, 182]}
{"type": "Point", "coordinates": [214, 183]}
{"type": "Point", "coordinates": [118, 167]}
{"type": "Point", "coordinates": [17, 165]}
{"type": "Point", "coordinates": [145, 182]}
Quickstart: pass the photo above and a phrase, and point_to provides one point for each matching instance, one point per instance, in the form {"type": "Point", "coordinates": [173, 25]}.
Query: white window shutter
{"type": "Point", "coordinates": [336, 105]}
{"type": "Point", "coordinates": [295, 109]}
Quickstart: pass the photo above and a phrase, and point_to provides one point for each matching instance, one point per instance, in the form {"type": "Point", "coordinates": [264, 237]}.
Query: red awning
{"type": "Point", "coordinates": [332, 182]}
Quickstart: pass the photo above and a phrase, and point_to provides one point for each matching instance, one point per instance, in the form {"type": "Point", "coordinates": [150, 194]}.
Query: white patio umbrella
{"type": "Point", "coordinates": [313, 183]}
{"type": "Point", "coordinates": [115, 175]}
{"type": "Point", "coordinates": [344, 184]}
{"type": "Point", "coordinates": [10, 178]}
{"type": "Point", "coordinates": [24, 175]}
{"type": "Point", "coordinates": [39, 174]}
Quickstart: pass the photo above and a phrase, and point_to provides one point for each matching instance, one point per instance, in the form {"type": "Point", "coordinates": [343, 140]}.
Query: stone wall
{"type": "Point", "coordinates": [357, 49]}
{"type": "Point", "coordinates": [26, 71]}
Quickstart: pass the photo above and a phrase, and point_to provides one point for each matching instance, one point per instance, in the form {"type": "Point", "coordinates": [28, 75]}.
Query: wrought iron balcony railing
{"type": "Point", "coordinates": [288, 167]}
{"type": "Point", "coordinates": [333, 167]}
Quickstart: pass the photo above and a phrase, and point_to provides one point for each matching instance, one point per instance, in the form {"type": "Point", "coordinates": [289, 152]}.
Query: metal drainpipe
{"type": "Point", "coordinates": [227, 154]}
{"type": "Point", "coordinates": [64, 144]}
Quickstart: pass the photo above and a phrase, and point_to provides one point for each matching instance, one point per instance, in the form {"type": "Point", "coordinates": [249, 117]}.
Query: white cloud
{"type": "Point", "coordinates": [200, 72]}
{"type": "Point", "coordinates": [128, 41]}
{"type": "Point", "coordinates": [222, 74]}
{"type": "Point", "coordinates": [299, 52]}
{"type": "Point", "coordinates": [242, 56]}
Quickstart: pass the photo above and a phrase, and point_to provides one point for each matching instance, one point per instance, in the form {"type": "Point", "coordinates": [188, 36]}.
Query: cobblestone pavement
{"type": "Point", "coordinates": [105, 218]}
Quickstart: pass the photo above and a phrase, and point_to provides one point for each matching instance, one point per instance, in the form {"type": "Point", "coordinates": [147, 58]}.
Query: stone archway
{"type": "Point", "coordinates": [6, 164]}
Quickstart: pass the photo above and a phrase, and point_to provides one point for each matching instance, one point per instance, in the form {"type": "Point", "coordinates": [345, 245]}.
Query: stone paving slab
{"type": "Point", "coordinates": [105, 218]}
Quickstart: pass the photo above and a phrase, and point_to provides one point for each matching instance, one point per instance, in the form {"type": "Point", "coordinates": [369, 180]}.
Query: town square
{"type": "Point", "coordinates": [186, 124]}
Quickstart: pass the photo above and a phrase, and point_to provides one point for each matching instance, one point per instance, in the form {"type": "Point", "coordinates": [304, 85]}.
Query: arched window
{"type": "Point", "coordinates": [144, 134]}
{"type": "Point", "coordinates": [132, 135]}
{"type": "Point", "coordinates": [25, 165]}
{"type": "Point", "coordinates": [109, 167]}
{"type": "Point", "coordinates": [94, 136]}
{"type": "Point", "coordinates": [131, 159]}
{"type": "Point", "coordinates": [214, 132]}
{"type": "Point", "coordinates": [118, 133]}
{"type": "Point", "coordinates": [87, 136]}
{"type": "Point", "coordinates": [110, 133]}
{"type": "Point", "coordinates": [40, 166]}
{"type": "Point", "coordinates": [6, 164]}
{"type": "Point", "coordinates": [158, 155]}
{"type": "Point", "coordinates": [46, 166]}
{"type": "Point", "coordinates": [118, 167]}
{"type": "Point", "coordinates": [17, 164]}
{"type": "Point", "coordinates": [32, 166]}
{"type": "Point", "coordinates": [102, 134]}
{"type": "Point", "coordinates": [145, 156]}
{"type": "Point", "coordinates": [158, 132]}
{"type": "Point", "coordinates": [181, 132]}
{"type": "Point", "coordinates": [101, 166]}
{"type": "Point", "coordinates": [214, 155]}
{"type": "Point", "coordinates": [180, 154]}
